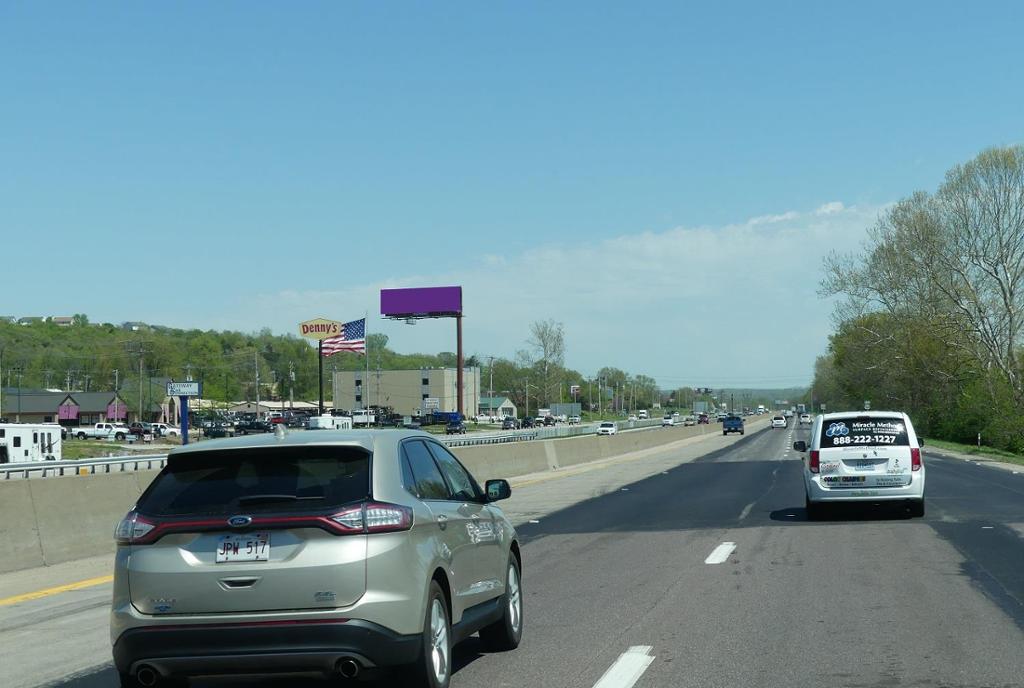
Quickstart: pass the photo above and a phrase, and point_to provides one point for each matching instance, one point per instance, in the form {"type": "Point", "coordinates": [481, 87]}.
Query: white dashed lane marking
{"type": "Point", "coordinates": [628, 668]}
{"type": "Point", "coordinates": [721, 553]}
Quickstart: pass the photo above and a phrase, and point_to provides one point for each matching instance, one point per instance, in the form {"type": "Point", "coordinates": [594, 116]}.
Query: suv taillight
{"type": "Point", "coordinates": [814, 461]}
{"type": "Point", "coordinates": [373, 517]}
{"type": "Point", "coordinates": [133, 529]}
{"type": "Point", "coordinates": [915, 459]}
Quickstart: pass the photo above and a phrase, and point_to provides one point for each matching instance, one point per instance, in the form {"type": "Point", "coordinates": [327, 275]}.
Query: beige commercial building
{"type": "Point", "coordinates": [408, 392]}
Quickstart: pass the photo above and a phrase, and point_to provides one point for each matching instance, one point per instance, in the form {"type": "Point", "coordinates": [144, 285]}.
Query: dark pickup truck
{"type": "Point", "coordinates": [732, 424]}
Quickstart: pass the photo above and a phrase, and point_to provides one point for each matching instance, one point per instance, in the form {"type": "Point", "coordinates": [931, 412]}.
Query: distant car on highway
{"type": "Point", "coordinates": [668, 420]}
{"type": "Point", "coordinates": [733, 423]}
{"type": "Point", "coordinates": [871, 457]}
{"type": "Point", "coordinates": [455, 427]}
{"type": "Point", "coordinates": [689, 420]}
{"type": "Point", "coordinates": [549, 421]}
{"type": "Point", "coordinates": [509, 424]}
{"type": "Point", "coordinates": [301, 555]}
{"type": "Point", "coordinates": [574, 420]}
{"type": "Point", "coordinates": [805, 419]}
{"type": "Point", "coordinates": [779, 422]}
{"type": "Point", "coordinates": [528, 422]}
{"type": "Point", "coordinates": [632, 418]}
{"type": "Point", "coordinates": [703, 419]}
{"type": "Point", "coordinates": [607, 428]}
{"type": "Point", "coordinates": [721, 417]}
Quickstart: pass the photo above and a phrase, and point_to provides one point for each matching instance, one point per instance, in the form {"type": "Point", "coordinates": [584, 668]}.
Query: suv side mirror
{"type": "Point", "coordinates": [920, 441]}
{"type": "Point", "coordinates": [498, 490]}
{"type": "Point", "coordinates": [800, 446]}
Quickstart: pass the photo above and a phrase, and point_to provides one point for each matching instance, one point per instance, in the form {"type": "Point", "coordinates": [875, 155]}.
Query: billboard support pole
{"type": "Point", "coordinates": [458, 362]}
{"type": "Point", "coordinates": [320, 368]}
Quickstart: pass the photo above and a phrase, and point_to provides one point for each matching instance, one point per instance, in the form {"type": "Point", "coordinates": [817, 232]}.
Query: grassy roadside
{"type": "Point", "coordinates": [98, 449]}
{"type": "Point", "coordinates": [980, 452]}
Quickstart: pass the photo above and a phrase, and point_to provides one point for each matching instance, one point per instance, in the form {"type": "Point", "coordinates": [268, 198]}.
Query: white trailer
{"type": "Point", "coordinates": [327, 422]}
{"type": "Point", "coordinates": [20, 442]}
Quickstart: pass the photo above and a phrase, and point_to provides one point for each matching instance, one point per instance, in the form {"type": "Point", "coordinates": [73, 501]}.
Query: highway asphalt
{"type": "Point", "coordinates": [678, 569]}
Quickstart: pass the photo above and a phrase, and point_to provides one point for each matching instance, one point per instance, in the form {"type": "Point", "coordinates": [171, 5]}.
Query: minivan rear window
{"type": "Point", "coordinates": [272, 479]}
{"type": "Point", "coordinates": [863, 430]}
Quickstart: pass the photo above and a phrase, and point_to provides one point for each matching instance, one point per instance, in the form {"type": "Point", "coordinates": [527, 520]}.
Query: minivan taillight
{"type": "Point", "coordinates": [373, 517]}
{"type": "Point", "coordinates": [915, 459]}
{"type": "Point", "coordinates": [134, 529]}
{"type": "Point", "coordinates": [814, 461]}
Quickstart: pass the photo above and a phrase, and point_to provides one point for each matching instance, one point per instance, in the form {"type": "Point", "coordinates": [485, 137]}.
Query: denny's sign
{"type": "Point", "coordinates": [320, 328]}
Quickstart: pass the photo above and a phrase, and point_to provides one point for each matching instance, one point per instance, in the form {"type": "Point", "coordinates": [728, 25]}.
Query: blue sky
{"type": "Point", "coordinates": [255, 164]}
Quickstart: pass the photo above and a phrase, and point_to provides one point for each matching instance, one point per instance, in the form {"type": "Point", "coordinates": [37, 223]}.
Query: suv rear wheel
{"type": "Point", "coordinates": [505, 633]}
{"type": "Point", "coordinates": [434, 667]}
{"type": "Point", "coordinates": [917, 508]}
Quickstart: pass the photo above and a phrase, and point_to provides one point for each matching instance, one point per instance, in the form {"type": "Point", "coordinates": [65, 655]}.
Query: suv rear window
{"type": "Point", "coordinates": [863, 430]}
{"type": "Point", "coordinates": [274, 479]}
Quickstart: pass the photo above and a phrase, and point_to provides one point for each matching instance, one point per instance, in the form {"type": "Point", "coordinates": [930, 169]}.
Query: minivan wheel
{"type": "Point", "coordinates": [434, 667]}
{"type": "Point", "coordinates": [813, 510]}
{"type": "Point", "coordinates": [505, 633]}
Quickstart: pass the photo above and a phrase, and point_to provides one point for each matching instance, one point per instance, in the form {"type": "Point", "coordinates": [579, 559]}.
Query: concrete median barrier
{"type": "Point", "coordinates": [54, 520]}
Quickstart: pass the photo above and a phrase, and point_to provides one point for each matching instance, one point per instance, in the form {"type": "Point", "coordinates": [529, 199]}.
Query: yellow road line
{"type": "Point", "coordinates": [46, 592]}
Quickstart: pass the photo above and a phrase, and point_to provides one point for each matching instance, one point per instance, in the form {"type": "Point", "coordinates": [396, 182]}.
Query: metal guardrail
{"type": "Point", "coordinates": [122, 464]}
{"type": "Point", "coordinates": [119, 464]}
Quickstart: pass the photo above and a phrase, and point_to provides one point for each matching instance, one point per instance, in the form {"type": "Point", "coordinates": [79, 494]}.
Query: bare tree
{"type": "Point", "coordinates": [547, 340]}
{"type": "Point", "coordinates": [954, 260]}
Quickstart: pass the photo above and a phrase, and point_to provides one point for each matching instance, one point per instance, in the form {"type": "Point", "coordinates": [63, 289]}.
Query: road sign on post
{"type": "Point", "coordinates": [431, 404]}
{"type": "Point", "coordinates": [184, 391]}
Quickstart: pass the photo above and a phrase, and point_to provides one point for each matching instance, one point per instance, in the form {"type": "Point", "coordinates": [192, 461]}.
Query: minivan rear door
{"type": "Point", "coordinates": [244, 532]}
{"type": "Point", "coordinates": [859, 452]}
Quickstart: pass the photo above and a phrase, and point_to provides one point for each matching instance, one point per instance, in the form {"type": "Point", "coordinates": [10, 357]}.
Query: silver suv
{"type": "Point", "coordinates": [325, 553]}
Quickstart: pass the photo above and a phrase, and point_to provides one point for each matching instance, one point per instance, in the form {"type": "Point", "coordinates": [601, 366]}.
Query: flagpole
{"type": "Point", "coordinates": [320, 367]}
{"type": "Point", "coordinates": [366, 355]}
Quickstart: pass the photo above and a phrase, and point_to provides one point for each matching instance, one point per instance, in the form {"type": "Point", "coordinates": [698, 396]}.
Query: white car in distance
{"type": "Point", "coordinates": [779, 422]}
{"type": "Point", "coordinates": [607, 428]}
{"type": "Point", "coordinates": [805, 419]}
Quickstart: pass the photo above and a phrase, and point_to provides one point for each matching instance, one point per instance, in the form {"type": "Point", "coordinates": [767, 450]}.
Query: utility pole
{"type": "Point", "coordinates": [291, 386]}
{"type": "Point", "coordinates": [17, 372]}
{"type": "Point", "coordinates": [490, 389]}
{"type": "Point", "coordinates": [256, 361]}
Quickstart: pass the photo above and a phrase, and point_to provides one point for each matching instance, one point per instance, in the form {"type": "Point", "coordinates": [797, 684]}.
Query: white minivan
{"type": "Point", "coordinates": [863, 457]}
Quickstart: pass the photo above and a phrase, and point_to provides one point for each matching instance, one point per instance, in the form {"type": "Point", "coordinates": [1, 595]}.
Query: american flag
{"type": "Point", "coordinates": [352, 338]}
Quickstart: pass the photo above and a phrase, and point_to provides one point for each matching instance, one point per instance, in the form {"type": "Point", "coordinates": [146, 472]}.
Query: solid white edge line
{"type": "Point", "coordinates": [721, 553]}
{"type": "Point", "coordinates": [627, 669]}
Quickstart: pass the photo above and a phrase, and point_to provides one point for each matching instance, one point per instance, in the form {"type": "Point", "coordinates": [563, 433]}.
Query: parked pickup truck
{"type": "Point", "coordinates": [102, 431]}
{"type": "Point", "coordinates": [732, 424]}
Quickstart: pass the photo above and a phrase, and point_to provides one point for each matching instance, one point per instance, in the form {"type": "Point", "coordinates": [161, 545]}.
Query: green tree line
{"type": "Point", "coordinates": [97, 356]}
{"type": "Point", "coordinates": [930, 311]}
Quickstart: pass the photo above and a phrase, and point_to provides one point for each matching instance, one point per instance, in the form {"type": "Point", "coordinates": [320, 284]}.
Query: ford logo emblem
{"type": "Point", "coordinates": [239, 521]}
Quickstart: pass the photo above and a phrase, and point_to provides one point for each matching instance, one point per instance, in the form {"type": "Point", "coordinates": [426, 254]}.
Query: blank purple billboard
{"type": "Point", "coordinates": [421, 302]}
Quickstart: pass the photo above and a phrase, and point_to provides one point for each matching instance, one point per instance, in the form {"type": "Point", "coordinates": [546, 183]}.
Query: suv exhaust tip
{"type": "Point", "coordinates": [348, 667]}
{"type": "Point", "coordinates": [147, 676]}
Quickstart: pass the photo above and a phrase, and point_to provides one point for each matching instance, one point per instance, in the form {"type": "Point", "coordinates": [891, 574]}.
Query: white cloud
{"type": "Point", "coordinates": [718, 306]}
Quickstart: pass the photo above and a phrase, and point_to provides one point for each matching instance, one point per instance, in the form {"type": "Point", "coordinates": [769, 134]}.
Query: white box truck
{"type": "Point", "coordinates": [21, 442]}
